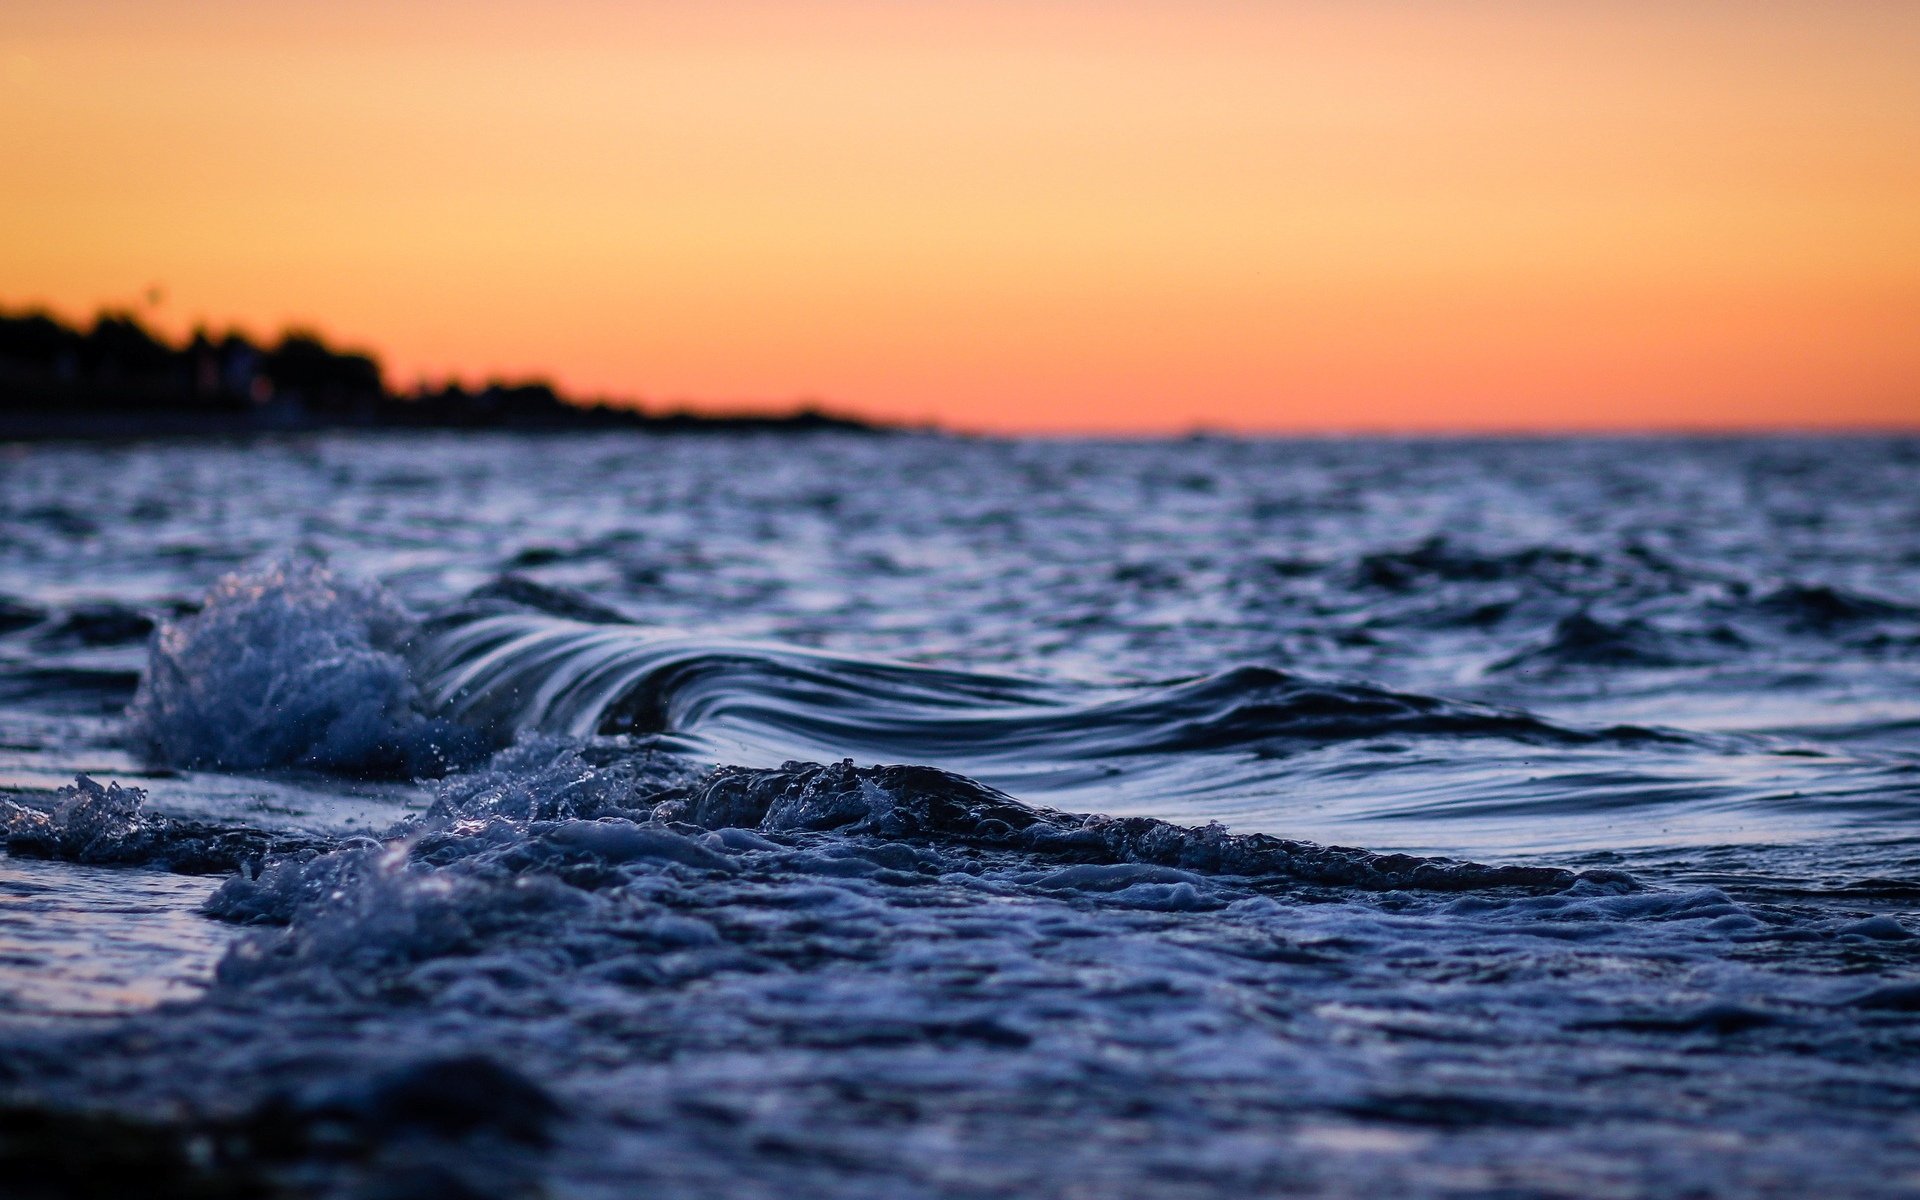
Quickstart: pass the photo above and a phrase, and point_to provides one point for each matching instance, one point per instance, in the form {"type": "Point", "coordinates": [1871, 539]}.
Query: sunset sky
{"type": "Point", "coordinates": [1118, 216]}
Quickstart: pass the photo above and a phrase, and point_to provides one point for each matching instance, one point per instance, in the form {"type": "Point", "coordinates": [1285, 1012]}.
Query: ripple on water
{"type": "Point", "coordinates": [79, 941]}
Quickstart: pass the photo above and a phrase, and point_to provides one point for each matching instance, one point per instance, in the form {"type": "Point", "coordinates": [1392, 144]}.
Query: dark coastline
{"type": "Point", "coordinates": [129, 424]}
{"type": "Point", "coordinates": [116, 380]}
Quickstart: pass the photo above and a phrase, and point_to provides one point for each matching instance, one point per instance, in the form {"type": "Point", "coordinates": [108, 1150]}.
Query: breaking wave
{"type": "Point", "coordinates": [295, 667]}
{"type": "Point", "coordinates": [757, 703]}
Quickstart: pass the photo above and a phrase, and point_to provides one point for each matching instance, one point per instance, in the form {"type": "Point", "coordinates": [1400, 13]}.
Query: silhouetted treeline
{"type": "Point", "coordinates": [117, 379]}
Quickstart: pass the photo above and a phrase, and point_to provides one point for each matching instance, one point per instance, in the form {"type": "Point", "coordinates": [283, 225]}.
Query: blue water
{"type": "Point", "coordinates": [1447, 818]}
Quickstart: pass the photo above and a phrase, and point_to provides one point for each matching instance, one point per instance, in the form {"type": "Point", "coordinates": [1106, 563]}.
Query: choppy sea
{"type": "Point", "coordinates": [906, 815]}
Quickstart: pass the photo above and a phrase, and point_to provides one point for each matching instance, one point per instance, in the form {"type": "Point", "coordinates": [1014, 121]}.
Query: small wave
{"type": "Point", "coordinates": [1822, 608]}
{"type": "Point", "coordinates": [1584, 640]}
{"type": "Point", "coordinates": [594, 816]}
{"type": "Point", "coordinates": [748, 702]}
{"type": "Point", "coordinates": [923, 803]}
{"type": "Point", "coordinates": [17, 614]}
{"type": "Point", "coordinates": [518, 591]}
{"type": "Point", "coordinates": [607, 801]}
{"type": "Point", "coordinates": [1439, 560]}
{"type": "Point", "coordinates": [68, 690]}
{"type": "Point", "coordinates": [97, 625]}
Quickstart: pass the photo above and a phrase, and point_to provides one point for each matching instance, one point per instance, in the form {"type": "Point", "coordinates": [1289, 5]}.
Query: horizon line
{"type": "Point", "coordinates": [895, 418]}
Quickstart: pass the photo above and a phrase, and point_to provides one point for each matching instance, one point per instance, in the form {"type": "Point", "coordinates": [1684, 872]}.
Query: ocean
{"type": "Point", "coordinates": [905, 815]}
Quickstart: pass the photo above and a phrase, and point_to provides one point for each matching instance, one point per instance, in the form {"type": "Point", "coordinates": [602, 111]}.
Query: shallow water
{"type": "Point", "coordinates": [1667, 692]}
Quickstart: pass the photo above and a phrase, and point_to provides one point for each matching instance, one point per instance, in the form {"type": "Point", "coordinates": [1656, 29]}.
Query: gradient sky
{"type": "Point", "coordinates": [1126, 215]}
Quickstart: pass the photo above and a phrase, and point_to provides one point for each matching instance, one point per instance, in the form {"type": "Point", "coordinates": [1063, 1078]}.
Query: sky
{"type": "Point", "coordinates": [1129, 216]}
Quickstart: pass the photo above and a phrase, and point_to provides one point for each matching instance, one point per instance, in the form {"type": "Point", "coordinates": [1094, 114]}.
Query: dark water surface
{"type": "Point", "coordinates": [514, 849]}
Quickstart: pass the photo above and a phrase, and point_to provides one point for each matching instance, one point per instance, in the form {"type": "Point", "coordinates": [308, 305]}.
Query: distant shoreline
{"type": "Point", "coordinates": [136, 425]}
{"type": "Point", "coordinates": [117, 381]}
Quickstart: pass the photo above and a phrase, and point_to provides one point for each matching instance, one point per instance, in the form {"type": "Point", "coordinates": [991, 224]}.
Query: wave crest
{"type": "Point", "coordinates": [755, 703]}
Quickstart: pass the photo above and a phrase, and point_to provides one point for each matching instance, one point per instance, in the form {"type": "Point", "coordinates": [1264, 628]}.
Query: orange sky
{"type": "Point", "coordinates": [1127, 215]}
